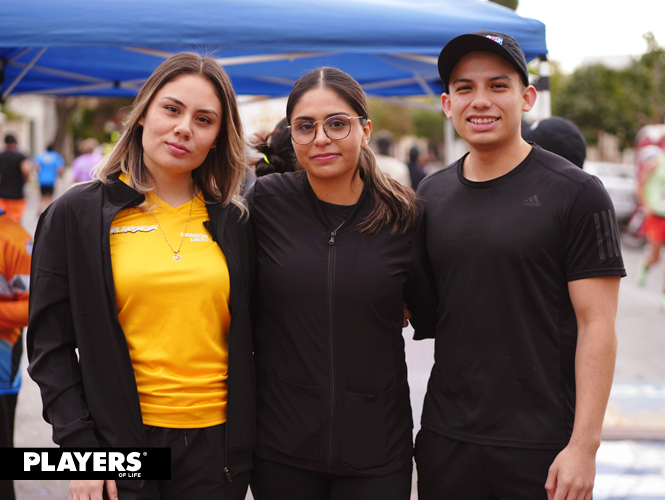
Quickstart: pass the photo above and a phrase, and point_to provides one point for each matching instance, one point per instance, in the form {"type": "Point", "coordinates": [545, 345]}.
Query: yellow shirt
{"type": "Point", "coordinates": [175, 314]}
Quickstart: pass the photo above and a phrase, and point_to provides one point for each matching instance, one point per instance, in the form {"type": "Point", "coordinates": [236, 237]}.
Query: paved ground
{"type": "Point", "coordinates": [631, 459]}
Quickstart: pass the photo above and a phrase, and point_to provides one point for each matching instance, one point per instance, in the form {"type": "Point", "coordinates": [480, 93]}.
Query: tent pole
{"type": "Point", "coordinates": [543, 88]}
{"type": "Point", "coordinates": [22, 74]}
{"type": "Point", "coordinates": [448, 140]}
{"type": "Point", "coordinates": [134, 85]}
{"type": "Point", "coordinates": [424, 85]}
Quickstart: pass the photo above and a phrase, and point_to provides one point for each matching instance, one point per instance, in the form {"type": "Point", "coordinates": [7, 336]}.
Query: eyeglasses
{"type": "Point", "coordinates": [337, 127]}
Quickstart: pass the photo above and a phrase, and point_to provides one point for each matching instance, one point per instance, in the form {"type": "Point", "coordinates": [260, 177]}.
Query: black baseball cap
{"type": "Point", "coordinates": [559, 136]}
{"type": "Point", "coordinates": [491, 41]}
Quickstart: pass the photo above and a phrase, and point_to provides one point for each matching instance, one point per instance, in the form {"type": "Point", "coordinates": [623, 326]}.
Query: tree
{"type": "Point", "coordinates": [389, 116]}
{"type": "Point", "coordinates": [618, 102]}
{"type": "Point", "coordinates": [511, 4]}
{"type": "Point", "coordinates": [654, 66]}
{"type": "Point", "coordinates": [408, 117]}
{"type": "Point", "coordinates": [428, 125]}
{"type": "Point", "coordinates": [92, 116]}
{"type": "Point", "coordinates": [80, 118]}
{"type": "Point", "coordinates": [64, 106]}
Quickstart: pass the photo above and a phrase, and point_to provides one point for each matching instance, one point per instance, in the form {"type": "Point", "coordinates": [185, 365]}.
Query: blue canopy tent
{"type": "Point", "coordinates": [77, 47]}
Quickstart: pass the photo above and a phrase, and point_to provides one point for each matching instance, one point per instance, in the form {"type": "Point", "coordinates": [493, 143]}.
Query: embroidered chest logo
{"type": "Point", "coordinates": [153, 227]}
{"type": "Point", "coordinates": [196, 236]}
{"type": "Point", "coordinates": [133, 229]}
{"type": "Point", "coordinates": [532, 201]}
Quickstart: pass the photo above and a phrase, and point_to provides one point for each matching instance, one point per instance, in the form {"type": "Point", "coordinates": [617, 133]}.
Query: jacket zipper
{"type": "Point", "coordinates": [331, 279]}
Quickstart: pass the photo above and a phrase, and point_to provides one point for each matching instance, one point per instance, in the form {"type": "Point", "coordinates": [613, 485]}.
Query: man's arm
{"type": "Point", "coordinates": [572, 473]}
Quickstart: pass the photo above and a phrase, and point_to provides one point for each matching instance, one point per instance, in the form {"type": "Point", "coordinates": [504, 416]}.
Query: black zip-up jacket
{"type": "Point", "coordinates": [92, 400]}
{"type": "Point", "coordinates": [331, 371]}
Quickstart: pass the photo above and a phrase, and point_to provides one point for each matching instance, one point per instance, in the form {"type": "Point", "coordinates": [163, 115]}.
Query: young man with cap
{"type": "Point", "coordinates": [524, 250]}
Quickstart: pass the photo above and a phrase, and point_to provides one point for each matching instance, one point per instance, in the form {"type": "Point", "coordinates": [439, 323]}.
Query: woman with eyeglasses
{"type": "Point", "coordinates": [336, 244]}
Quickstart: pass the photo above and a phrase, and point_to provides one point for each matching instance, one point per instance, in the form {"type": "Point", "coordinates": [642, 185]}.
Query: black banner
{"type": "Point", "coordinates": [85, 463]}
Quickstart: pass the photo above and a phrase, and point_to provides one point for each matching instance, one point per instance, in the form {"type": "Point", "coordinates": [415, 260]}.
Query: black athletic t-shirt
{"type": "Point", "coordinates": [11, 176]}
{"type": "Point", "coordinates": [336, 215]}
{"type": "Point", "coordinates": [502, 253]}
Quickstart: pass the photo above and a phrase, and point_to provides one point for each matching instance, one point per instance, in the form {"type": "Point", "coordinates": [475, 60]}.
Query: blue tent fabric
{"type": "Point", "coordinates": [76, 47]}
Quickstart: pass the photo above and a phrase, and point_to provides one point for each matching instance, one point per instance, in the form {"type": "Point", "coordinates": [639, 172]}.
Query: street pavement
{"type": "Point", "coordinates": [630, 460]}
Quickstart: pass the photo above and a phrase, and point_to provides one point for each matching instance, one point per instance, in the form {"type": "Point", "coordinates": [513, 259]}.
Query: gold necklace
{"type": "Point", "coordinates": [176, 255]}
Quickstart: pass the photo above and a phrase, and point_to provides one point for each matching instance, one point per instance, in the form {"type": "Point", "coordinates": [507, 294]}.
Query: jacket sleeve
{"type": "Point", "coordinates": [420, 292]}
{"type": "Point", "coordinates": [51, 341]}
{"type": "Point", "coordinates": [250, 196]}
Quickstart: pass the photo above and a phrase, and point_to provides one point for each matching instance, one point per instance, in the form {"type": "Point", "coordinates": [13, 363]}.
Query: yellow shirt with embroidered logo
{"type": "Point", "coordinates": [175, 314]}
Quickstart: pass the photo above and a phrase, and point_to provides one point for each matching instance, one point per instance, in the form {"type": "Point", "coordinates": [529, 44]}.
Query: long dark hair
{"type": "Point", "coordinates": [394, 203]}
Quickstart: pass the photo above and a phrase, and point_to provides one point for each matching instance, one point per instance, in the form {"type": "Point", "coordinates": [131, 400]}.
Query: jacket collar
{"type": "Point", "coordinates": [218, 215]}
{"type": "Point", "coordinates": [119, 195]}
{"type": "Point", "coordinates": [359, 212]}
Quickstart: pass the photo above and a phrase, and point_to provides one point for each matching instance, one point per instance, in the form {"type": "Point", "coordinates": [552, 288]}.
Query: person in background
{"type": "Point", "coordinates": [558, 135]}
{"type": "Point", "coordinates": [388, 164]}
{"type": "Point", "coordinates": [336, 244]}
{"type": "Point", "coordinates": [651, 195]}
{"type": "Point", "coordinates": [417, 174]}
{"type": "Point", "coordinates": [524, 249]}
{"type": "Point", "coordinates": [49, 166]}
{"type": "Point", "coordinates": [432, 159]}
{"type": "Point", "coordinates": [139, 332]}
{"type": "Point", "coordinates": [15, 251]}
{"type": "Point", "coordinates": [83, 165]}
{"type": "Point", "coordinates": [15, 170]}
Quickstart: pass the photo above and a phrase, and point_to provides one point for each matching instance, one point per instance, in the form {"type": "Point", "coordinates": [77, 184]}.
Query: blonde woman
{"type": "Point", "coordinates": [145, 272]}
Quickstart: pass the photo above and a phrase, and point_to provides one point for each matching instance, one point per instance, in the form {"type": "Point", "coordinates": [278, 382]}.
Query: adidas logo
{"type": "Point", "coordinates": [532, 201]}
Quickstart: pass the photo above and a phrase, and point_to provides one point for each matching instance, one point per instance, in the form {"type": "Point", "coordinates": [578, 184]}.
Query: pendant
{"type": "Point", "coordinates": [176, 257]}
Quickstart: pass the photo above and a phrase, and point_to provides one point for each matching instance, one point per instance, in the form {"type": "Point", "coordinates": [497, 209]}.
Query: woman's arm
{"type": "Point", "coordinates": [51, 341]}
{"type": "Point", "coordinates": [420, 295]}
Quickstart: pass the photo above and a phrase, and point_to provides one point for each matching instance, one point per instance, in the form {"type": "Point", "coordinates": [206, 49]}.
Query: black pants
{"type": "Point", "coordinates": [7, 413]}
{"type": "Point", "coordinates": [275, 481]}
{"type": "Point", "coordinates": [453, 470]}
{"type": "Point", "coordinates": [197, 467]}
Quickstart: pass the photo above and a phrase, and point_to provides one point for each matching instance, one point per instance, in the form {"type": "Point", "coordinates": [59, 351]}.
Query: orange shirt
{"type": "Point", "coordinates": [15, 251]}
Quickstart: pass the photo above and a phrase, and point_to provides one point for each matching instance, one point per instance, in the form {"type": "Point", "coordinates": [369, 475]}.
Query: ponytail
{"type": "Point", "coordinates": [394, 204]}
{"type": "Point", "coordinates": [276, 150]}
